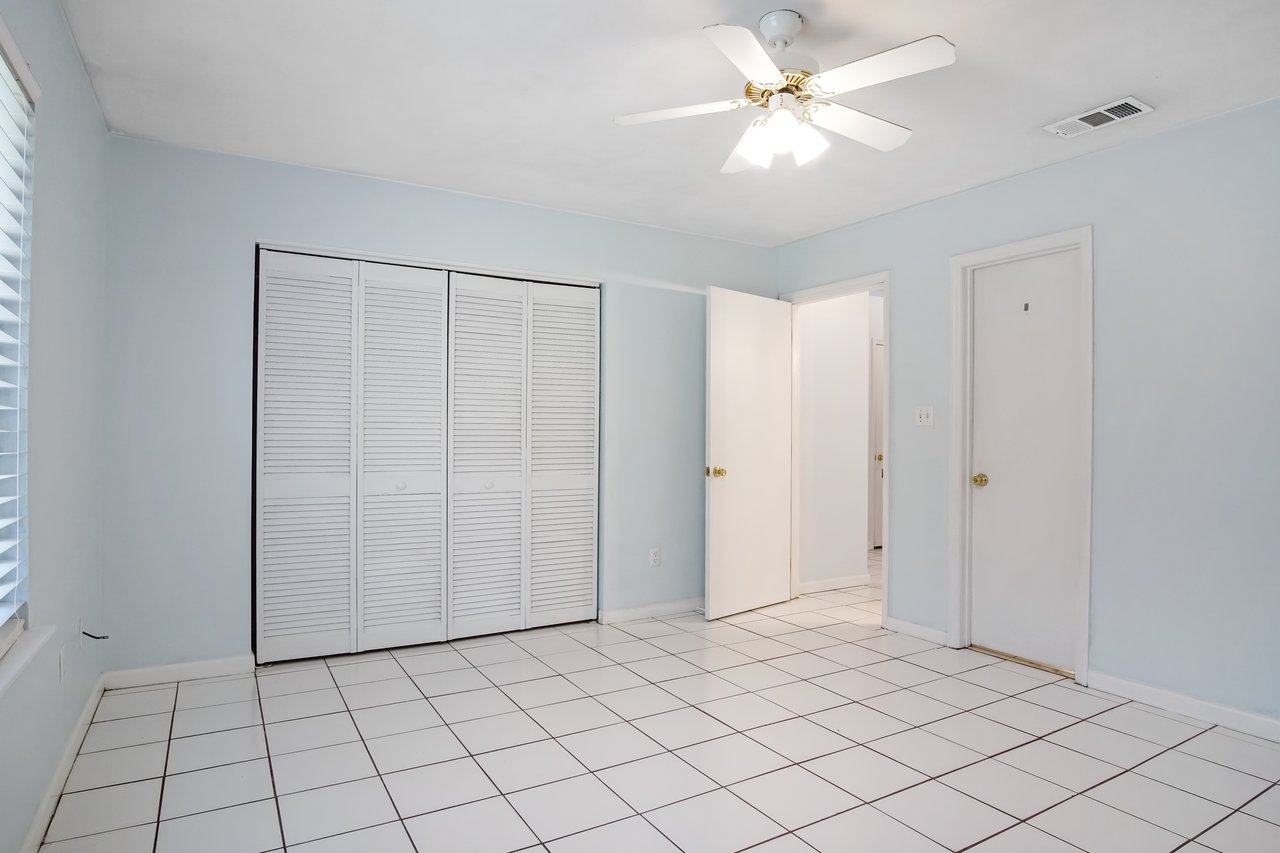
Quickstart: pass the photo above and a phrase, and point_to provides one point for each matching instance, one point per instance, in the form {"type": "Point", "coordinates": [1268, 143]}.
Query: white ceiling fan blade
{"type": "Point", "coordinates": [859, 127]}
{"type": "Point", "coordinates": [682, 112]}
{"type": "Point", "coordinates": [742, 48]}
{"type": "Point", "coordinates": [923, 55]}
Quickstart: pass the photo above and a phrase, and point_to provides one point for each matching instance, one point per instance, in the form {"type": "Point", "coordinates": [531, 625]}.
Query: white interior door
{"type": "Point", "coordinates": [1031, 440]}
{"type": "Point", "coordinates": [403, 311]}
{"type": "Point", "coordinates": [489, 455]}
{"type": "Point", "coordinates": [748, 561]}
{"type": "Point", "coordinates": [304, 548]}
{"type": "Point", "coordinates": [876, 496]}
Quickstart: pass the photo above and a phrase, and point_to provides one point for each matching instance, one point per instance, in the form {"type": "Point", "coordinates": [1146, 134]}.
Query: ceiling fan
{"type": "Point", "coordinates": [794, 94]}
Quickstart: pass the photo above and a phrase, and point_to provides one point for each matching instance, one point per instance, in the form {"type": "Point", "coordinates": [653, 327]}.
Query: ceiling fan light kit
{"type": "Point", "coordinates": [794, 94]}
{"type": "Point", "coordinates": [785, 130]}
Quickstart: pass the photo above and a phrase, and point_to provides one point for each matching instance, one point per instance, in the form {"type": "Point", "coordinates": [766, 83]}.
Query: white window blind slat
{"type": "Point", "coordinates": [16, 134]}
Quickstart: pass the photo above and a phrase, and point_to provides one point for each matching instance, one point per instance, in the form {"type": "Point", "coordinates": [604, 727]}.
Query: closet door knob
{"type": "Point", "coordinates": [489, 485]}
{"type": "Point", "coordinates": [401, 485]}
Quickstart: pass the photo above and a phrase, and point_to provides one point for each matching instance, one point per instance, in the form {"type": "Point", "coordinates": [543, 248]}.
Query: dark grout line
{"type": "Point", "coordinates": [271, 767]}
{"type": "Point", "coordinates": [1075, 721]}
{"type": "Point", "coordinates": [746, 732]}
{"type": "Point", "coordinates": [1230, 814]}
{"type": "Point", "coordinates": [44, 836]}
{"type": "Point", "coordinates": [478, 765]}
{"type": "Point", "coordinates": [394, 806]}
{"type": "Point", "coordinates": [155, 841]}
{"type": "Point", "coordinates": [1084, 792]}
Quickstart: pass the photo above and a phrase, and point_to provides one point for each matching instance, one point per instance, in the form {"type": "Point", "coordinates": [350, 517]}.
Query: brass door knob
{"type": "Point", "coordinates": [979, 480]}
{"type": "Point", "coordinates": [718, 472]}
{"type": "Point", "coordinates": [879, 457]}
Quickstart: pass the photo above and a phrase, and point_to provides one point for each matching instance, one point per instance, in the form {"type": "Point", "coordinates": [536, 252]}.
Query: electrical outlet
{"type": "Point", "coordinates": [655, 557]}
{"type": "Point", "coordinates": [62, 664]}
{"type": "Point", "coordinates": [924, 416]}
{"type": "Point", "coordinates": [80, 633]}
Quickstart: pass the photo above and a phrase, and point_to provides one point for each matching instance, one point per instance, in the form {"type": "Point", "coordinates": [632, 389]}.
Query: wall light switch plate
{"type": "Point", "coordinates": [924, 416]}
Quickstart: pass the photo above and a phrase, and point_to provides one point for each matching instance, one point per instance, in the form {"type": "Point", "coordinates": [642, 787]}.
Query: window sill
{"type": "Point", "coordinates": [23, 651]}
{"type": "Point", "coordinates": [10, 630]}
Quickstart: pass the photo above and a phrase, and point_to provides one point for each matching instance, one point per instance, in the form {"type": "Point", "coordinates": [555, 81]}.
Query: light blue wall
{"type": "Point", "coordinates": [1178, 227]}
{"type": "Point", "coordinates": [655, 391]}
{"type": "Point", "coordinates": [1186, 548]}
{"type": "Point", "coordinates": [37, 712]}
{"type": "Point", "coordinates": [180, 371]}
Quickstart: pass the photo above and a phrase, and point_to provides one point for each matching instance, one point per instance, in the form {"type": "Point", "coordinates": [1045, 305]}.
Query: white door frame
{"type": "Point", "coordinates": [847, 287]}
{"type": "Point", "coordinates": [959, 575]}
{"type": "Point", "coordinates": [875, 480]}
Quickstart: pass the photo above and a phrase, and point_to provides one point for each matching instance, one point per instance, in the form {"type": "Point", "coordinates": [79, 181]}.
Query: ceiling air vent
{"type": "Point", "coordinates": [1100, 117]}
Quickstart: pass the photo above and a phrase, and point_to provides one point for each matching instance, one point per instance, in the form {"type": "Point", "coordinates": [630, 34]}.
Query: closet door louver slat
{"type": "Point", "coordinates": [488, 452]}
{"type": "Point", "coordinates": [564, 390]}
{"type": "Point", "coordinates": [402, 456]}
{"type": "Point", "coordinates": [305, 579]}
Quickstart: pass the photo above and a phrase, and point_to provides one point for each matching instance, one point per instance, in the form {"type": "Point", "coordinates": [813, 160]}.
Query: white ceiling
{"type": "Point", "coordinates": [514, 99]}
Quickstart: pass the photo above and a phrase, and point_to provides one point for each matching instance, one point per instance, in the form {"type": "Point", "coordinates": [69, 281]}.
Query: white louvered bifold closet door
{"type": "Point", "coordinates": [402, 456]}
{"type": "Point", "coordinates": [564, 394]}
{"type": "Point", "coordinates": [427, 455]}
{"type": "Point", "coordinates": [488, 545]}
{"type": "Point", "coordinates": [305, 490]}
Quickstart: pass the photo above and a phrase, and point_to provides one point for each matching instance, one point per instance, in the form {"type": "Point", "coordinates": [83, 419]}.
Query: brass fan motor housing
{"type": "Point", "coordinates": [795, 83]}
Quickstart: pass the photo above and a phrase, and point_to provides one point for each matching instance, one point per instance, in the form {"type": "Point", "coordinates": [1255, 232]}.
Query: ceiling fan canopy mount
{"type": "Point", "coordinates": [780, 28]}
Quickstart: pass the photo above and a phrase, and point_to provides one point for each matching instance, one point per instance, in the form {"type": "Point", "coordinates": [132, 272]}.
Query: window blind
{"type": "Point", "coordinates": [15, 281]}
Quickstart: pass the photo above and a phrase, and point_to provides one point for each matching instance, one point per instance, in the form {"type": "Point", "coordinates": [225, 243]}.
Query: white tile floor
{"type": "Point", "coordinates": [802, 726]}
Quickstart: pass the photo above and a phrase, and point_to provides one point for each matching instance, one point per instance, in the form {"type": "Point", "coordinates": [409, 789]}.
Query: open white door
{"type": "Point", "coordinates": [748, 452]}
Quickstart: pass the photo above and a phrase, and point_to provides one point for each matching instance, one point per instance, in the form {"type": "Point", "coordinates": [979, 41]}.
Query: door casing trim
{"type": "Point", "coordinates": [959, 569]}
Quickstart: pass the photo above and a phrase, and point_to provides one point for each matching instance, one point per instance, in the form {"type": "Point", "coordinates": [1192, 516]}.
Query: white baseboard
{"type": "Point", "coordinates": [1188, 706]}
{"type": "Point", "coordinates": [649, 611]}
{"type": "Point", "coordinates": [806, 587]}
{"type": "Point", "coordinates": [933, 635]}
{"type": "Point", "coordinates": [44, 812]}
{"type": "Point", "coordinates": [178, 672]}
